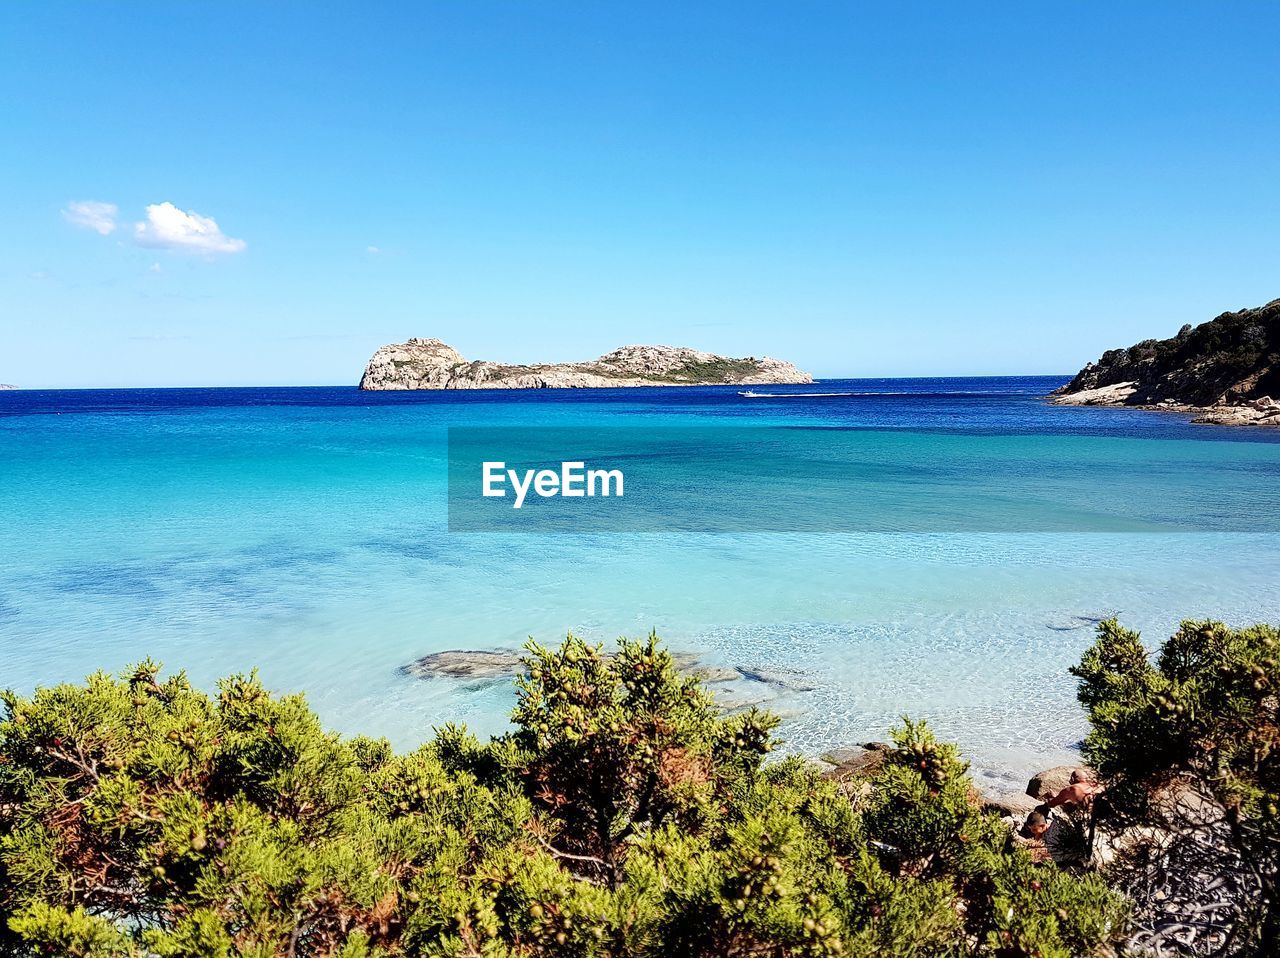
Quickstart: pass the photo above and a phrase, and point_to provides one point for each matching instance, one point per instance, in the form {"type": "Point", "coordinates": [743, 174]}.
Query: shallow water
{"type": "Point", "coordinates": [303, 531]}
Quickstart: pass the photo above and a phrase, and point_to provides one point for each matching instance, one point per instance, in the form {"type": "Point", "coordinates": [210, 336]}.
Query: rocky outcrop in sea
{"type": "Point", "coordinates": [1225, 371]}
{"type": "Point", "coordinates": [431, 364]}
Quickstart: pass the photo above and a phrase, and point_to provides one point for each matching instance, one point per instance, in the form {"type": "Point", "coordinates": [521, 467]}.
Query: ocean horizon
{"type": "Point", "coordinates": [303, 531]}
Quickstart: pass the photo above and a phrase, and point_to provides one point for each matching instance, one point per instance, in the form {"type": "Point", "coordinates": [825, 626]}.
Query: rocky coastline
{"type": "Point", "coordinates": [1224, 372]}
{"type": "Point", "coordinates": [432, 364]}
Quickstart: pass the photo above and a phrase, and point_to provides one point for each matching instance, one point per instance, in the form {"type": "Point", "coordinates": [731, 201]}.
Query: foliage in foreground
{"type": "Point", "coordinates": [622, 817]}
{"type": "Point", "coordinates": [1189, 748]}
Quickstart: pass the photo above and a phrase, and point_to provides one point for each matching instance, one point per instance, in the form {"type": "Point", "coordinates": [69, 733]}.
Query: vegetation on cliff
{"type": "Point", "coordinates": [1231, 360]}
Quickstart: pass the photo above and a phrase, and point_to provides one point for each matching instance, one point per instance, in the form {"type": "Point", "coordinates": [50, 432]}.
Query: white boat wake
{"type": "Point", "coordinates": [753, 395]}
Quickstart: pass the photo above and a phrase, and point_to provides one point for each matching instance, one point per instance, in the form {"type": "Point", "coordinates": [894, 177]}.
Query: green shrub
{"type": "Point", "coordinates": [622, 816]}
{"type": "Point", "coordinates": [1188, 746]}
{"type": "Point", "coordinates": [1207, 708]}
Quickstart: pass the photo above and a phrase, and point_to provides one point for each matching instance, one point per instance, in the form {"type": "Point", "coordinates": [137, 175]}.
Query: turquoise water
{"type": "Point", "coordinates": [304, 531]}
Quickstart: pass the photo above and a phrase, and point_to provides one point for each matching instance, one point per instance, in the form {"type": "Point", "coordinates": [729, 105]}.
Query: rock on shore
{"type": "Point", "coordinates": [1225, 371]}
{"type": "Point", "coordinates": [431, 364]}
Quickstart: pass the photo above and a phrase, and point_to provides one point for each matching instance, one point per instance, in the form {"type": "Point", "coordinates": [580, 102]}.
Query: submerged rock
{"type": "Point", "coordinates": [467, 664]}
{"type": "Point", "coordinates": [793, 680]}
{"type": "Point", "coordinates": [713, 674]}
{"type": "Point", "coordinates": [496, 663]}
{"type": "Point", "coordinates": [1074, 622]}
{"type": "Point", "coordinates": [735, 688]}
{"type": "Point", "coordinates": [740, 699]}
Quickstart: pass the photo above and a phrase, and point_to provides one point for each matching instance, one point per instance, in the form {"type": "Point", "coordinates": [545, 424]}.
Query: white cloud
{"type": "Point", "coordinates": [168, 227]}
{"type": "Point", "coordinates": [155, 267]}
{"type": "Point", "coordinates": [92, 215]}
{"type": "Point", "coordinates": [374, 250]}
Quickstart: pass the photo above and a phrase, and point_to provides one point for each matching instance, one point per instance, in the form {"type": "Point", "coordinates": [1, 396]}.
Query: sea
{"type": "Point", "coordinates": [305, 533]}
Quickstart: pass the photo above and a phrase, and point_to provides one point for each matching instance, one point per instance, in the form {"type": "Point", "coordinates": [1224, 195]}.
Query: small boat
{"type": "Point", "coordinates": [750, 395]}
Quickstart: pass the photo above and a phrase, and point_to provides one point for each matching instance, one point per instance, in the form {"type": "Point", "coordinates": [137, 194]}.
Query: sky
{"type": "Point", "coordinates": [262, 194]}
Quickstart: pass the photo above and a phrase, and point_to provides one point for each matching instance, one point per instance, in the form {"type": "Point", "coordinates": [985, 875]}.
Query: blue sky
{"type": "Point", "coordinates": [866, 189]}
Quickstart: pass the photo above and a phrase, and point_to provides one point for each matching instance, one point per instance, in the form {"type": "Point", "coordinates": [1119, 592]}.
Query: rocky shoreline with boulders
{"type": "Point", "coordinates": [1263, 411]}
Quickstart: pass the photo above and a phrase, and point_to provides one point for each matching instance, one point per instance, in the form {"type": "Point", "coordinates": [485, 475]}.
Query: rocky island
{"type": "Point", "coordinates": [431, 364]}
{"type": "Point", "coordinates": [1225, 371]}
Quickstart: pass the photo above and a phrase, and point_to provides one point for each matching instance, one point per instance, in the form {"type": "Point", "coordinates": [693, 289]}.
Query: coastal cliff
{"type": "Point", "coordinates": [1226, 371]}
{"type": "Point", "coordinates": [431, 364]}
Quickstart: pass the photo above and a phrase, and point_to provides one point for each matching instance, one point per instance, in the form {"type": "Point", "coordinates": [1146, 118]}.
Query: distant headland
{"type": "Point", "coordinates": [1226, 371]}
{"type": "Point", "coordinates": [431, 364]}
